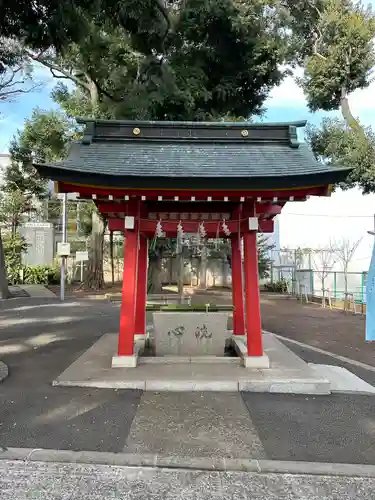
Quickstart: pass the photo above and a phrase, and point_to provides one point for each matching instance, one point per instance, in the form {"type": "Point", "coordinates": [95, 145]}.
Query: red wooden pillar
{"type": "Point", "coordinates": [253, 320]}
{"type": "Point", "coordinates": [140, 310]}
{"type": "Point", "coordinates": [129, 290]}
{"type": "Point", "coordinates": [237, 287]}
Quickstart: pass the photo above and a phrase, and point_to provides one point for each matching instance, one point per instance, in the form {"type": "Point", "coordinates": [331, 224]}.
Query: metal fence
{"type": "Point", "coordinates": [312, 282]}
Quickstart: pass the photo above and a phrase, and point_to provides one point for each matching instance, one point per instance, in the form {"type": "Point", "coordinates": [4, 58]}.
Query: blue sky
{"type": "Point", "coordinates": [286, 103]}
{"type": "Point", "coordinates": [310, 224]}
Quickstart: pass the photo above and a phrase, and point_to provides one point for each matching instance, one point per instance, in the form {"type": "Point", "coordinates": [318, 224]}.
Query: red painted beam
{"type": "Point", "coordinates": [148, 227]}
{"type": "Point", "coordinates": [200, 194]}
{"type": "Point", "coordinates": [176, 207]}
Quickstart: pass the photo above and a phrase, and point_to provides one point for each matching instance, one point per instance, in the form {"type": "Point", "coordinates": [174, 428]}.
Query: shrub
{"type": "Point", "coordinates": [14, 245]}
{"type": "Point", "coordinates": [41, 275]}
{"type": "Point", "coordinates": [278, 286]}
{"type": "Point", "coordinates": [33, 275]}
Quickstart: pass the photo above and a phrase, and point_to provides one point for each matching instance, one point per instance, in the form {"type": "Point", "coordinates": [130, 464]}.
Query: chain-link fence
{"type": "Point", "coordinates": [316, 283]}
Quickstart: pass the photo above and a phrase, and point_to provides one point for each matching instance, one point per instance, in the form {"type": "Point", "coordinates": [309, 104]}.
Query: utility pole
{"type": "Point", "coordinates": [64, 240]}
{"type": "Point", "coordinates": [370, 295]}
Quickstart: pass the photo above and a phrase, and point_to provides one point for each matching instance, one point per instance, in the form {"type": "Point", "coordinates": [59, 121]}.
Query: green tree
{"type": "Point", "coordinates": [342, 57]}
{"type": "Point", "coordinates": [341, 61]}
{"type": "Point", "coordinates": [146, 59]}
{"type": "Point", "coordinates": [13, 205]}
{"type": "Point", "coordinates": [44, 138]}
{"type": "Point", "coordinates": [264, 255]}
{"type": "Point", "coordinates": [176, 68]}
{"type": "Point", "coordinates": [333, 142]}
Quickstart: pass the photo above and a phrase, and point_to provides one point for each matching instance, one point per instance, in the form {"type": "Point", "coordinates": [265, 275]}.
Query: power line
{"type": "Point", "coordinates": [330, 215]}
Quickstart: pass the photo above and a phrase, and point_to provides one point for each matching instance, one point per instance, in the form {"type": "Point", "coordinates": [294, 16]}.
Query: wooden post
{"type": "Point", "coordinates": [237, 287]}
{"type": "Point", "coordinates": [253, 319]}
{"type": "Point", "coordinates": [129, 289]}
{"type": "Point", "coordinates": [111, 256]}
{"type": "Point", "coordinates": [141, 299]}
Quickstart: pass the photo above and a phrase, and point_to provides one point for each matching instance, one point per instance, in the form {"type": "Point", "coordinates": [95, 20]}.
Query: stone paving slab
{"type": "Point", "coordinates": [342, 380]}
{"type": "Point", "coordinates": [194, 425]}
{"type": "Point", "coordinates": [37, 291]}
{"type": "Point", "coordinates": [287, 373]}
{"type": "Point", "coordinates": [221, 464]}
{"type": "Point", "coordinates": [4, 372]}
{"type": "Point", "coordinates": [335, 428]}
{"type": "Point", "coordinates": [42, 481]}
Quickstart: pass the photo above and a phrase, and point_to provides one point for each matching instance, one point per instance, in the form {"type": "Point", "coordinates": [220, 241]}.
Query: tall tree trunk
{"type": "Point", "coordinates": [154, 275]}
{"type": "Point", "coordinates": [94, 278]}
{"type": "Point", "coordinates": [4, 290]}
{"type": "Point", "coordinates": [111, 256]}
{"type": "Point", "coordinates": [181, 273]}
{"type": "Point", "coordinates": [350, 121]}
{"type": "Point", "coordinates": [203, 270]}
{"type": "Point", "coordinates": [346, 278]}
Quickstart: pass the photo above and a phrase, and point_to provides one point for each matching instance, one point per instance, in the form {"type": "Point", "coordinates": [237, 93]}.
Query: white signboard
{"type": "Point", "coordinates": [63, 249]}
{"type": "Point", "coordinates": [38, 224]}
{"type": "Point", "coordinates": [82, 256]}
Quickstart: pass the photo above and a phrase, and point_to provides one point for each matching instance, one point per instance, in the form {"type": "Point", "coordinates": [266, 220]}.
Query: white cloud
{"type": "Point", "coordinates": [290, 95]}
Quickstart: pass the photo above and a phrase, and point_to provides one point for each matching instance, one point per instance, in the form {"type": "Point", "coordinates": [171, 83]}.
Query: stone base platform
{"type": "Point", "coordinates": [287, 373]}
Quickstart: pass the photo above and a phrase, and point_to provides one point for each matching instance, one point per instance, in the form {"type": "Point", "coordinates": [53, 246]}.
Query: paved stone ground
{"type": "Point", "coordinates": [40, 338]}
{"type": "Point", "coordinates": [17, 291]}
{"type": "Point", "coordinates": [334, 331]}
{"type": "Point", "coordinates": [3, 371]}
{"type": "Point", "coordinates": [194, 424]}
{"type": "Point", "coordinates": [41, 481]}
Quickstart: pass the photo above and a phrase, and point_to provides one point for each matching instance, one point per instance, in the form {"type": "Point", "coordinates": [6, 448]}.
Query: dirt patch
{"type": "Point", "coordinates": [335, 331]}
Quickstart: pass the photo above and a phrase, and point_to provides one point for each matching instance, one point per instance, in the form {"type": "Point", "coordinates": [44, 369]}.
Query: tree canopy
{"type": "Point", "coordinates": [189, 60]}
{"type": "Point", "coordinates": [342, 61]}
{"type": "Point", "coordinates": [44, 138]}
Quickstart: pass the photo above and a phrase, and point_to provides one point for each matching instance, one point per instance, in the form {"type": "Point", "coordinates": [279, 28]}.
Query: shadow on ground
{"type": "Point", "coordinates": [39, 338]}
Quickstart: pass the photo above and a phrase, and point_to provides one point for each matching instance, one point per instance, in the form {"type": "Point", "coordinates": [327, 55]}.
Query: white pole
{"type": "Point", "coordinates": [81, 271]}
{"type": "Point", "coordinates": [63, 259]}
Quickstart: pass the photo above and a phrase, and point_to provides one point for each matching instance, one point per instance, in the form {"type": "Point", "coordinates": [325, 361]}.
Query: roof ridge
{"type": "Point", "coordinates": [194, 124]}
{"type": "Point", "coordinates": [196, 132]}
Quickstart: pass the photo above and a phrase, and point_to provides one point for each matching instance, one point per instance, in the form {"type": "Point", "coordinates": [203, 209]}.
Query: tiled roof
{"type": "Point", "coordinates": [188, 154]}
{"type": "Point", "coordinates": [192, 159]}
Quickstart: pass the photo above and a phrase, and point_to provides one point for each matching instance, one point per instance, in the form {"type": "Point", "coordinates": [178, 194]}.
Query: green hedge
{"type": "Point", "coordinates": [278, 287]}
{"type": "Point", "coordinates": [33, 275]}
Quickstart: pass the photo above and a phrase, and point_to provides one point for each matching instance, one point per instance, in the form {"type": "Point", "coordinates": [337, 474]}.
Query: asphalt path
{"type": "Point", "coordinates": [40, 338]}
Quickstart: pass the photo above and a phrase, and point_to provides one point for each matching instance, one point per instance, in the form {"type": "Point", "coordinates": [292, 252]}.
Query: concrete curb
{"type": "Point", "coordinates": [190, 463]}
{"type": "Point", "coordinates": [4, 371]}
{"type": "Point", "coordinates": [344, 359]}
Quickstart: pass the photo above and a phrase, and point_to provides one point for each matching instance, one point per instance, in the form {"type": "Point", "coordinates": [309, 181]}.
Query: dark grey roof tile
{"type": "Point", "coordinates": [205, 160]}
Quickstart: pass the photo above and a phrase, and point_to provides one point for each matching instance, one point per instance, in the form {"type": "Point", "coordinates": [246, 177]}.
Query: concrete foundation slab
{"type": "Point", "coordinates": [287, 373]}
{"type": "Point", "coordinates": [194, 425]}
{"type": "Point", "coordinates": [240, 347]}
{"type": "Point", "coordinates": [342, 380]}
{"type": "Point", "coordinates": [187, 359]}
{"type": "Point", "coordinates": [190, 333]}
{"type": "Point", "coordinates": [125, 361]}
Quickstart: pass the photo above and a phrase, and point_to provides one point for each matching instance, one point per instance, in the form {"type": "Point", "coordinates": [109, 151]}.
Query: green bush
{"type": "Point", "coordinates": [33, 275]}
{"type": "Point", "coordinates": [14, 245]}
{"type": "Point", "coordinates": [14, 274]}
{"type": "Point", "coordinates": [278, 286]}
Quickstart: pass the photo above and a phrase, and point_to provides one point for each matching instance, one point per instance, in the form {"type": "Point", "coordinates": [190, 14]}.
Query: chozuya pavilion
{"type": "Point", "coordinates": [219, 179]}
